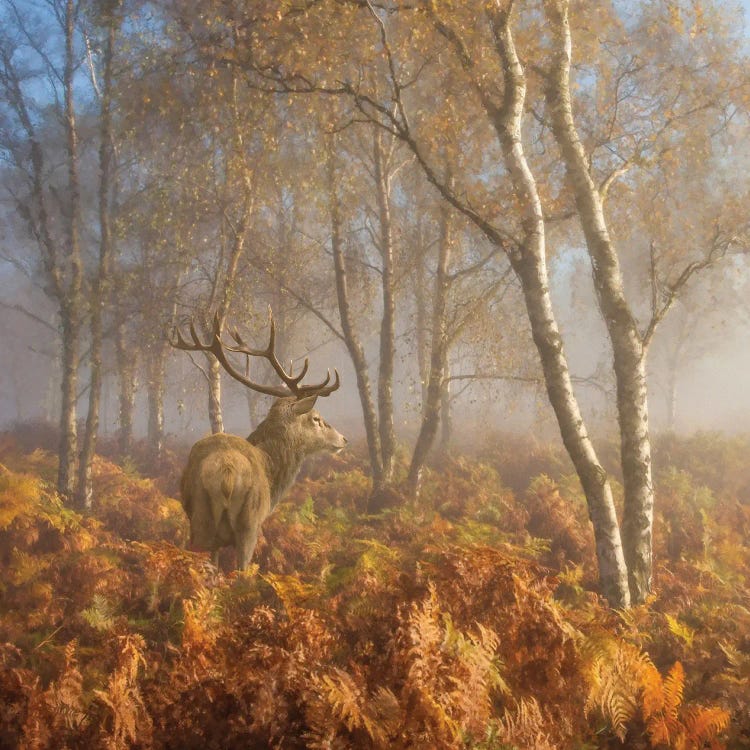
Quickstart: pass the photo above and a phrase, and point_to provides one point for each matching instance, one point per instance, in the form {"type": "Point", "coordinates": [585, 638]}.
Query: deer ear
{"type": "Point", "coordinates": [304, 405]}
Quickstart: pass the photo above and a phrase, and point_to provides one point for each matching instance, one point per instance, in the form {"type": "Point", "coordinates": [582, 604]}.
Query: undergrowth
{"type": "Point", "coordinates": [469, 620]}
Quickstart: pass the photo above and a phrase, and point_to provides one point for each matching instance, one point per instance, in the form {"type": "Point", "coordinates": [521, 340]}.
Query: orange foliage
{"type": "Point", "coordinates": [456, 623]}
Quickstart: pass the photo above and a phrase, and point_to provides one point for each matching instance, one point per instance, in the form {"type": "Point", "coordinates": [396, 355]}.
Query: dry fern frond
{"type": "Point", "coordinates": [344, 698]}
{"type": "Point", "coordinates": [704, 725]}
{"type": "Point", "coordinates": [58, 711]}
{"type": "Point", "coordinates": [679, 629]}
{"type": "Point", "coordinates": [522, 727]}
{"type": "Point", "coordinates": [347, 703]}
{"type": "Point", "coordinates": [128, 718]}
{"type": "Point", "coordinates": [202, 615]}
{"type": "Point", "coordinates": [674, 686]}
{"type": "Point", "coordinates": [624, 679]}
{"type": "Point", "coordinates": [615, 685]}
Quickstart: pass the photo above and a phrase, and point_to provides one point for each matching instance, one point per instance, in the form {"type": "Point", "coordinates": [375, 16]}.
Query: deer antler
{"type": "Point", "coordinates": [292, 385]}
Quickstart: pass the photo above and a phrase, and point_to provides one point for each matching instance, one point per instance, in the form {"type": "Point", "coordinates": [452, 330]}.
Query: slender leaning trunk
{"type": "Point", "coordinates": [126, 369]}
{"type": "Point", "coordinates": [215, 417]}
{"type": "Point", "coordinates": [671, 397]}
{"type": "Point", "coordinates": [126, 399]}
{"type": "Point", "coordinates": [84, 491]}
{"type": "Point", "coordinates": [612, 570]}
{"type": "Point", "coordinates": [71, 304]}
{"type": "Point", "coordinates": [351, 339]}
{"type": "Point", "coordinates": [627, 344]}
{"type": "Point", "coordinates": [84, 488]}
{"type": "Point", "coordinates": [421, 313]}
{"type": "Point", "coordinates": [446, 411]}
{"type": "Point", "coordinates": [66, 473]}
{"type": "Point", "coordinates": [387, 327]}
{"type": "Point", "coordinates": [155, 389]}
{"type": "Point", "coordinates": [529, 264]}
{"type": "Point", "coordinates": [438, 357]}
{"type": "Point", "coordinates": [635, 451]}
{"type": "Point", "coordinates": [674, 357]}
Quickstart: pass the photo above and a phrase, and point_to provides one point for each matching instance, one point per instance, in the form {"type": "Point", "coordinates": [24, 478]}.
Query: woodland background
{"type": "Point", "coordinates": [511, 227]}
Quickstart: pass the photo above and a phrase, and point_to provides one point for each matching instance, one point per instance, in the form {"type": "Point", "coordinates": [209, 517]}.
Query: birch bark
{"type": "Point", "coordinates": [387, 327]}
{"type": "Point", "coordinates": [84, 489]}
{"type": "Point", "coordinates": [70, 312]}
{"type": "Point", "coordinates": [155, 388]}
{"type": "Point", "coordinates": [351, 338]}
{"type": "Point", "coordinates": [215, 417]}
{"type": "Point", "coordinates": [225, 282]}
{"type": "Point", "coordinates": [628, 348]}
{"type": "Point", "coordinates": [529, 263]}
{"type": "Point", "coordinates": [126, 369]}
{"type": "Point", "coordinates": [431, 408]}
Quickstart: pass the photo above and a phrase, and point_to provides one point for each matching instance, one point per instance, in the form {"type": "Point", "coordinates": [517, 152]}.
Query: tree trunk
{"type": "Point", "coordinates": [66, 473]}
{"type": "Point", "coordinates": [671, 397]}
{"type": "Point", "coordinates": [529, 264]}
{"type": "Point", "coordinates": [446, 412]}
{"type": "Point", "coordinates": [438, 357]}
{"type": "Point", "coordinates": [351, 339]}
{"type": "Point", "coordinates": [672, 404]}
{"type": "Point", "coordinates": [71, 305]}
{"type": "Point", "coordinates": [214, 395]}
{"type": "Point", "coordinates": [126, 370]}
{"type": "Point", "coordinates": [674, 357]}
{"type": "Point", "coordinates": [422, 314]}
{"type": "Point", "coordinates": [155, 389]}
{"type": "Point", "coordinates": [387, 327]}
{"type": "Point", "coordinates": [627, 344]}
{"type": "Point", "coordinates": [84, 491]}
{"type": "Point", "coordinates": [84, 488]}
{"type": "Point", "coordinates": [52, 390]}
{"type": "Point", "coordinates": [226, 291]}
{"type": "Point", "coordinates": [253, 412]}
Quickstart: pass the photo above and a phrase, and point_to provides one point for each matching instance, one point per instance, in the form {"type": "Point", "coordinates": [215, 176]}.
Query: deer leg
{"type": "Point", "coordinates": [246, 546]}
{"type": "Point", "coordinates": [215, 557]}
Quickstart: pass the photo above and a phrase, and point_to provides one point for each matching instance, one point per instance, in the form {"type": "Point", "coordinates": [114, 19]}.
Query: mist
{"type": "Point", "coordinates": [561, 254]}
{"type": "Point", "coordinates": [374, 374]}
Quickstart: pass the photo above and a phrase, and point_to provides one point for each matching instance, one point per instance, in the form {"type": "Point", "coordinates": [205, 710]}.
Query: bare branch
{"type": "Point", "coordinates": [611, 177]}
{"type": "Point", "coordinates": [32, 316]}
{"type": "Point", "coordinates": [720, 246]}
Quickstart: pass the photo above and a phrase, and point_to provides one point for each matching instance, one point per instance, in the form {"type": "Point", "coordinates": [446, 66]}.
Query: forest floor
{"type": "Point", "coordinates": [469, 619]}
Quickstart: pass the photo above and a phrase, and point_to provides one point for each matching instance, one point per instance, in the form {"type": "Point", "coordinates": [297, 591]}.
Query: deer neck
{"type": "Point", "coordinates": [283, 460]}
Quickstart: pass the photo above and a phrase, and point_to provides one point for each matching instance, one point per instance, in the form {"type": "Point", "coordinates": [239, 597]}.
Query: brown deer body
{"type": "Point", "coordinates": [231, 484]}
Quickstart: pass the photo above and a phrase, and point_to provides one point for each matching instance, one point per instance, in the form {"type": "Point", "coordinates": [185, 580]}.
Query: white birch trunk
{"type": "Point", "coordinates": [388, 323]}
{"type": "Point", "coordinates": [438, 357]}
{"type": "Point", "coordinates": [71, 305]}
{"type": "Point", "coordinates": [627, 345]}
{"type": "Point", "coordinates": [351, 338]}
{"type": "Point", "coordinates": [529, 263]}
{"type": "Point", "coordinates": [215, 418]}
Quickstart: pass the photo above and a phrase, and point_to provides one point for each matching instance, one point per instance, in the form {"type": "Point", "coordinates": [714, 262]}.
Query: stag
{"type": "Point", "coordinates": [230, 484]}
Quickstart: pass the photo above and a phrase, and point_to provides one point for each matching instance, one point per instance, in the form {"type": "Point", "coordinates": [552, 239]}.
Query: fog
{"type": "Point", "coordinates": [153, 176]}
{"type": "Point", "coordinates": [712, 392]}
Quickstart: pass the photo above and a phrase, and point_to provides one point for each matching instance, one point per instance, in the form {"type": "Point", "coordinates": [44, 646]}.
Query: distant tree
{"type": "Point", "coordinates": [40, 56]}
{"type": "Point", "coordinates": [466, 282]}
{"type": "Point", "coordinates": [106, 21]}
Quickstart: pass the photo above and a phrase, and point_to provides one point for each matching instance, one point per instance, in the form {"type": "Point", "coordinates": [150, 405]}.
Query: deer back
{"type": "Point", "coordinates": [225, 482]}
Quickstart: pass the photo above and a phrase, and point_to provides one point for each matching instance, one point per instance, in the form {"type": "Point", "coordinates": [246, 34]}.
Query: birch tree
{"type": "Point", "coordinates": [45, 51]}
{"type": "Point", "coordinates": [109, 21]}
{"type": "Point", "coordinates": [629, 343]}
